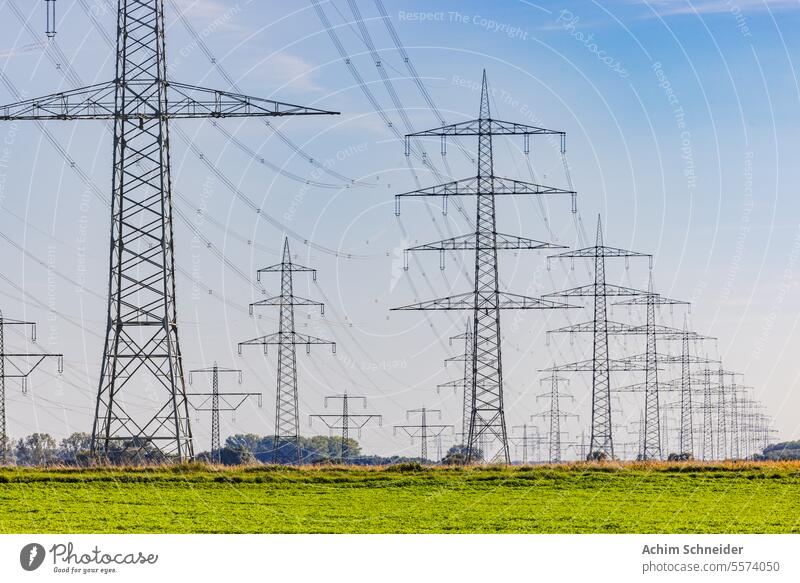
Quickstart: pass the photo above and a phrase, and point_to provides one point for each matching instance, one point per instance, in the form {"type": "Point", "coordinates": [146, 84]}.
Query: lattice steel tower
{"type": "Point", "coordinates": [554, 414]}
{"type": "Point", "coordinates": [141, 346]}
{"type": "Point", "coordinates": [652, 409]}
{"type": "Point", "coordinates": [601, 441]}
{"type": "Point", "coordinates": [487, 416]}
{"type": "Point", "coordinates": [346, 421]}
{"type": "Point", "coordinates": [17, 365]}
{"type": "Point", "coordinates": [287, 415]}
{"type": "Point", "coordinates": [215, 401]}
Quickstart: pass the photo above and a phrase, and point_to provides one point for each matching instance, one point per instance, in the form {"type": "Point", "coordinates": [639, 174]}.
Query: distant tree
{"type": "Point", "coordinates": [249, 441]}
{"type": "Point", "coordinates": [75, 448]}
{"type": "Point", "coordinates": [37, 449]}
{"type": "Point", "coordinates": [458, 454]}
{"type": "Point", "coordinates": [236, 456]}
{"type": "Point", "coordinates": [787, 450]}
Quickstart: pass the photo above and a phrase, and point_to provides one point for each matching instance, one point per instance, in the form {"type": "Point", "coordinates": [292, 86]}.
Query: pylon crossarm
{"type": "Point", "coordinates": [665, 386]}
{"type": "Point", "coordinates": [591, 290]}
{"type": "Point", "coordinates": [617, 365]}
{"type": "Point", "coordinates": [293, 267]}
{"type": "Point", "coordinates": [456, 384]}
{"type": "Point", "coordinates": [92, 102]}
{"type": "Point", "coordinates": [670, 359]}
{"type": "Point", "coordinates": [612, 327]}
{"type": "Point", "coordinates": [473, 186]}
{"type": "Point", "coordinates": [506, 301]}
{"type": "Point", "coordinates": [190, 101]}
{"type": "Point", "coordinates": [468, 243]}
{"type": "Point", "coordinates": [646, 297]}
{"type": "Point", "coordinates": [495, 127]}
{"type": "Point", "coordinates": [183, 102]}
{"type": "Point", "coordinates": [277, 338]}
{"type": "Point", "coordinates": [282, 301]}
{"type": "Point", "coordinates": [28, 368]}
{"type": "Point", "coordinates": [600, 251]}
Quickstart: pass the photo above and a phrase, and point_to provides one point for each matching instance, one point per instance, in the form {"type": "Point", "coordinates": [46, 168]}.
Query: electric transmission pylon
{"type": "Point", "coordinates": [287, 416]}
{"type": "Point", "coordinates": [554, 415]}
{"type": "Point", "coordinates": [141, 346]}
{"type": "Point", "coordinates": [601, 441]}
{"type": "Point", "coordinates": [526, 439]}
{"type": "Point", "coordinates": [423, 430]}
{"type": "Point", "coordinates": [487, 415]}
{"type": "Point", "coordinates": [17, 365]}
{"type": "Point", "coordinates": [652, 410]}
{"type": "Point", "coordinates": [463, 384]}
{"type": "Point", "coordinates": [214, 398]}
{"type": "Point", "coordinates": [346, 421]}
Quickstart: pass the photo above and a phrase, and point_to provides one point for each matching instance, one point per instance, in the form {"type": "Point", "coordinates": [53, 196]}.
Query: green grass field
{"type": "Point", "coordinates": [581, 498]}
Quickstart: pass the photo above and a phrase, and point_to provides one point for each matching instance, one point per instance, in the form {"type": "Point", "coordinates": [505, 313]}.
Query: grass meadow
{"type": "Point", "coordinates": [572, 498]}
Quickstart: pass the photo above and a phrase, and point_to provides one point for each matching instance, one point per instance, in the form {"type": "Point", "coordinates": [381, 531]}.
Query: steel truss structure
{"type": "Point", "coordinates": [601, 445]}
{"type": "Point", "coordinates": [142, 351]}
{"type": "Point", "coordinates": [485, 301]}
{"type": "Point", "coordinates": [287, 415]}
{"type": "Point", "coordinates": [346, 421]}
{"type": "Point", "coordinates": [216, 402]}
{"type": "Point", "coordinates": [17, 365]}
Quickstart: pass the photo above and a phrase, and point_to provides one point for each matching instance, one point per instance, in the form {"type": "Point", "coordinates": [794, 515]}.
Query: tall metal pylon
{"type": "Point", "coordinates": [214, 398]}
{"type": "Point", "coordinates": [17, 365]}
{"type": "Point", "coordinates": [554, 414]}
{"type": "Point", "coordinates": [346, 421]}
{"type": "Point", "coordinates": [652, 410]}
{"type": "Point", "coordinates": [424, 429]}
{"type": "Point", "coordinates": [686, 439]}
{"type": "Point", "coordinates": [601, 443]}
{"type": "Point", "coordinates": [485, 301]}
{"type": "Point", "coordinates": [287, 416]}
{"type": "Point", "coordinates": [526, 439]}
{"type": "Point", "coordinates": [708, 426]}
{"type": "Point", "coordinates": [141, 349]}
{"type": "Point", "coordinates": [464, 384]}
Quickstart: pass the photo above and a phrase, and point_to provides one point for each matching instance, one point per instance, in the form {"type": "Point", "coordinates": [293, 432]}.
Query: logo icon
{"type": "Point", "coordinates": [31, 556]}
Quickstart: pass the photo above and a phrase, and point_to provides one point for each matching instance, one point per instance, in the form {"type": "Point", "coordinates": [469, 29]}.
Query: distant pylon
{"type": "Point", "coordinates": [345, 421]}
{"type": "Point", "coordinates": [214, 398]}
{"type": "Point", "coordinates": [554, 415]}
{"type": "Point", "coordinates": [141, 351]}
{"type": "Point", "coordinates": [287, 420]}
{"type": "Point", "coordinates": [686, 440]}
{"type": "Point", "coordinates": [487, 414]}
{"type": "Point", "coordinates": [601, 440]}
{"type": "Point", "coordinates": [424, 430]}
{"type": "Point", "coordinates": [21, 365]}
{"type": "Point", "coordinates": [652, 409]}
{"type": "Point", "coordinates": [708, 426]}
{"type": "Point", "coordinates": [464, 383]}
{"type": "Point", "coordinates": [526, 439]}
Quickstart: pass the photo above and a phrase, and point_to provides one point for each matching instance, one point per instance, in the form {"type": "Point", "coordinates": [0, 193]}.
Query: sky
{"type": "Point", "coordinates": [681, 125]}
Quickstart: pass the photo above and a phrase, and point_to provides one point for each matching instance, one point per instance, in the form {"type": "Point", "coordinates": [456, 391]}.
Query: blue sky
{"type": "Point", "coordinates": [681, 128]}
